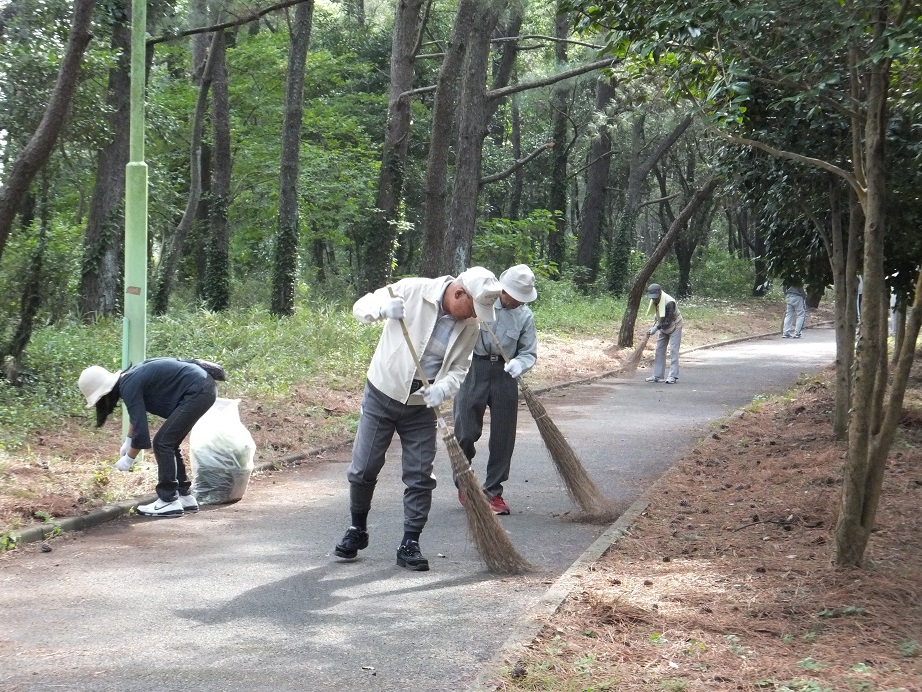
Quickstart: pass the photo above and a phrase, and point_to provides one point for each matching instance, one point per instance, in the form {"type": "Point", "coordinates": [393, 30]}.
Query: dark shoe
{"type": "Point", "coordinates": [498, 505]}
{"type": "Point", "coordinates": [409, 557]}
{"type": "Point", "coordinates": [355, 540]}
{"type": "Point", "coordinates": [785, 336]}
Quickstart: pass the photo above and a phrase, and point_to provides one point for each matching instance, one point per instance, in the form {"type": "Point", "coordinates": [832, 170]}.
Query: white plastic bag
{"type": "Point", "coordinates": [222, 451]}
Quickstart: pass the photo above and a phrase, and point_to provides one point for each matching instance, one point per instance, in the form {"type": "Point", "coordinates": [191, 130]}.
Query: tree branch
{"type": "Point", "coordinates": [552, 79]}
{"type": "Point", "coordinates": [517, 165]}
{"type": "Point", "coordinates": [243, 19]}
{"type": "Point", "coordinates": [808, 160]}
{"type": "Point", "coordinates": [547, 38]}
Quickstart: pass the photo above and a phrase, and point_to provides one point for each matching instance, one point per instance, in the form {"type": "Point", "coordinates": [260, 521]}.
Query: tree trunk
{"type": "Point", "coordinates": [216, 284]}
{"type": "Point", "coordinates": [435, 206]}
{"type": "Point", "coordinates": [872, 425]}
{"type": "Point", "coordinates": [635, 294]}
{"type": "Point", "coordinates": [285, 259]}
{"type": "Point", "coordinates": [36, 152]}
{"type": "Point", "coordinates": [173, 250]}
{"type": "Point", "coordinates": [518, 178]}
{"type": "Point", "coordinates": [597, 173]}
{"type": "Point", "coordinates": [623, 239]}
{"type": "Point", "coordinates": [31, 300]}
{"type": "Point", "coordinates": [101, 273]}
{"type": "Point", "coordinates": [474, 112]}
{"type": "Point", "coordinates": [376, 250]}
{"type": "Point", "coordinates": [560, 116]}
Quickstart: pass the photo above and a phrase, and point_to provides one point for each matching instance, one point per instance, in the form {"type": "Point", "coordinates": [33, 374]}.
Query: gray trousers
{"type": "Point", "coordinates": [795, 305]}
{"type": "Point", "coordinates": [488, 385]}
{"type": "Point", "coordinates": [673, 340]}
{"type": "Point", "coordinates": [380, 418]}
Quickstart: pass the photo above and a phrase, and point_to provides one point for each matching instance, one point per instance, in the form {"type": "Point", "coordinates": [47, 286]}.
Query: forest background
{"type": "Point", "coordinates": [303, 153]}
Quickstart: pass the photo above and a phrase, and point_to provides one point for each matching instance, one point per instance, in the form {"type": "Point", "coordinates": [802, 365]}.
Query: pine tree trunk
{"type": "Point", "coordinates": [377, 244]}
{"type": "Point", "coordinates": [285, 257]}
{"type": "Point", "coordinates": [560, 116]}
{"type": "Point", "coordinates": [216, 284]}
{"type": "Point", "coordinates": [101, 273]}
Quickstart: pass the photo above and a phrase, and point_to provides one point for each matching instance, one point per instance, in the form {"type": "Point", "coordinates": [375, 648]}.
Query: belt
{"type": "Point", "coordinates": [493, 358]}
{"type": "Point", "coordinates": [415, 385]}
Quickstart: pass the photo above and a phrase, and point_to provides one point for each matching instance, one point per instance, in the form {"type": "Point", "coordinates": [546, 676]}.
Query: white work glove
{"type": "Point", "coordinates": [125, 463]}
{"type": "Point", "coordinates": [514, 367]}
{"type": "Point", "coordinates": [434, 394]}
{"type": "Point", "coordinates": [126, 447]}
{"type": "Point", "coordinates": [653, 329]}
{"type": "Point", "coordinates": [393, 308]}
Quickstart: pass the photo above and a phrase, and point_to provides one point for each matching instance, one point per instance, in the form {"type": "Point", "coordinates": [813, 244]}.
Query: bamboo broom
{"type": "Point", "coordinates": [580, 487]}
{"type": "Point", "coordinates": [630, 367]}
{"type": "Point", "coordinates": [491, 539]}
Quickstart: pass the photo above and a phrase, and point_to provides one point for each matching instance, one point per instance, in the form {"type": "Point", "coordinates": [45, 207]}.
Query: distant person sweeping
{"type": "Point", "coordinates": [176, 390]}
{"type": "Point", "coordinates": [669, 327]}
{"type": "Point", "coordinates": [440, 316]}
{"type": "Point", "coordinates": [493, 383]}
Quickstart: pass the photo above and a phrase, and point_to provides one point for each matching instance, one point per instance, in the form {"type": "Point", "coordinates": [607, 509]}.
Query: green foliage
{"type": "Point", "coordinates": [718, 274]}
{"type": "Point", "coordinates": [502, 243]}
{"type": "Point", "coordinates": [263, 356]}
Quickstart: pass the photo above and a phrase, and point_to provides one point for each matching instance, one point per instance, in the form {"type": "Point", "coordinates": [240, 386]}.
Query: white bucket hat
{"type": "Point", "coordinates": [519, 282]}
{"type": "Point", "coordinates": [481, 285]}
{"type": "Point", "coordinates": [95, 382]}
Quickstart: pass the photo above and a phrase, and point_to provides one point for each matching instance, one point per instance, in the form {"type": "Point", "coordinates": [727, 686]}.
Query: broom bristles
{"type": "Point", "coordinates": [580, 487]}
{"type": "Point", "coordinates": [631, 366]}
{"type": "Point", "coordinates": [491, 539]}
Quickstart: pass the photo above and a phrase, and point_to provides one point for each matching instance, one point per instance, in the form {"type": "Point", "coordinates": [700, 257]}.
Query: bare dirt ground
{"type": "Point", "coordinates": [725, 581]}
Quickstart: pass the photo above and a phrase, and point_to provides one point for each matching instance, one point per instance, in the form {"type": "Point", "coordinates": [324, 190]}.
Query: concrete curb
{"type": "Point", "coordinates": [529, 625]}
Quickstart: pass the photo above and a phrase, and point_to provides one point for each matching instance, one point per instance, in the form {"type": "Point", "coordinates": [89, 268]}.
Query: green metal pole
{"type": "Point", "coordinates": [134, 332]}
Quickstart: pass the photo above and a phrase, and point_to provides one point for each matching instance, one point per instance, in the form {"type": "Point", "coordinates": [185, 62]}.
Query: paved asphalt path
{"type": "Point", "coordinates": [250, 596]}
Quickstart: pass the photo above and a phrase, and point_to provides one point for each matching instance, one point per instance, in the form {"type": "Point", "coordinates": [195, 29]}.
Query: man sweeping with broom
{"type": "Point", "coordinates": [441, 320]}
{"type": "Point", "coordinates": [669, 325]}
{"type": "Point", "coordinates": [492, 382]}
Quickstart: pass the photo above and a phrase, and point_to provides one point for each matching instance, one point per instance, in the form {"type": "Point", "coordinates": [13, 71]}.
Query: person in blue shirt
{"type": "Point", "coordinates": [176, 390]}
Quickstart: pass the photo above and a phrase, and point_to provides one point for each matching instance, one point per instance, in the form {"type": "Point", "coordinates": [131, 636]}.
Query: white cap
{"type": "Point", "coordinates": [481, 285]}
{"type": "Point", "coordinates": [95, 382]}
{"type": "Point", "coordinates": [519, 282]}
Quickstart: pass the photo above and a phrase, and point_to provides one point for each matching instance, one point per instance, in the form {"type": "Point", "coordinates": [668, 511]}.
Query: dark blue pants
{"type": "Point", "coordinates": [172, 478]}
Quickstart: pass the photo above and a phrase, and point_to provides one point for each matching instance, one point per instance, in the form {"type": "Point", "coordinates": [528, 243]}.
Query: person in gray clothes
{"type": "Point", "coordinates": [493, 383]}
{"type": "Point", "coordinates": [796, 304]}
{"type": "Point", "coordinates": [669, 325]}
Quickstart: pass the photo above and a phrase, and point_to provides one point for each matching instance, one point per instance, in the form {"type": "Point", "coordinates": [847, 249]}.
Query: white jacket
{"type": "Point", "coordinates": [392, 369]}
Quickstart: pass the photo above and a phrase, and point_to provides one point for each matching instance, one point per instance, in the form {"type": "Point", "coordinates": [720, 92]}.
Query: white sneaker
{"type": "Point", "coordinates": [159, 508]}
{"type": "Point", "coordinates": [653, 379]}
{"type": "Point", "coordinates": [189, 503]}
{"type": "Point", "coordinates": [672, 380]}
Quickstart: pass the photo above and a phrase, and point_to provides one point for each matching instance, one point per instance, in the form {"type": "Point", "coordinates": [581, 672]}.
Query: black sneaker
{"type": "Point", "coordinates": [355, 540]}
{"type": "Point", "coordinates": [408, 556]}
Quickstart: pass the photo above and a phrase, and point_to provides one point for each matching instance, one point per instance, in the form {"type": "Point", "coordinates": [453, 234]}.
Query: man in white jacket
{"type": "Point", "coordinates": [441, 316]}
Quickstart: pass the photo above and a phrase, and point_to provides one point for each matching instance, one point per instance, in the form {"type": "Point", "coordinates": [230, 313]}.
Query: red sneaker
{"type": "Point", "coordinates": [498, 505]}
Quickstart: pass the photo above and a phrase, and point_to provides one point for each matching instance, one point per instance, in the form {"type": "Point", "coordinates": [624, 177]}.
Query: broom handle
{"type": "Point", "coordinates": [419, 365]}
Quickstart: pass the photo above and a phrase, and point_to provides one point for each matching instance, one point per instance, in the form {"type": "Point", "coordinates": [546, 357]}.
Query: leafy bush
{"type": "Point", "coordinates": [718, 274]}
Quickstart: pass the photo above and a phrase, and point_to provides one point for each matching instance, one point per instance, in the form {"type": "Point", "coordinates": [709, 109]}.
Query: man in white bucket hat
{"type": "Point", "coordinates": [493, 383]}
